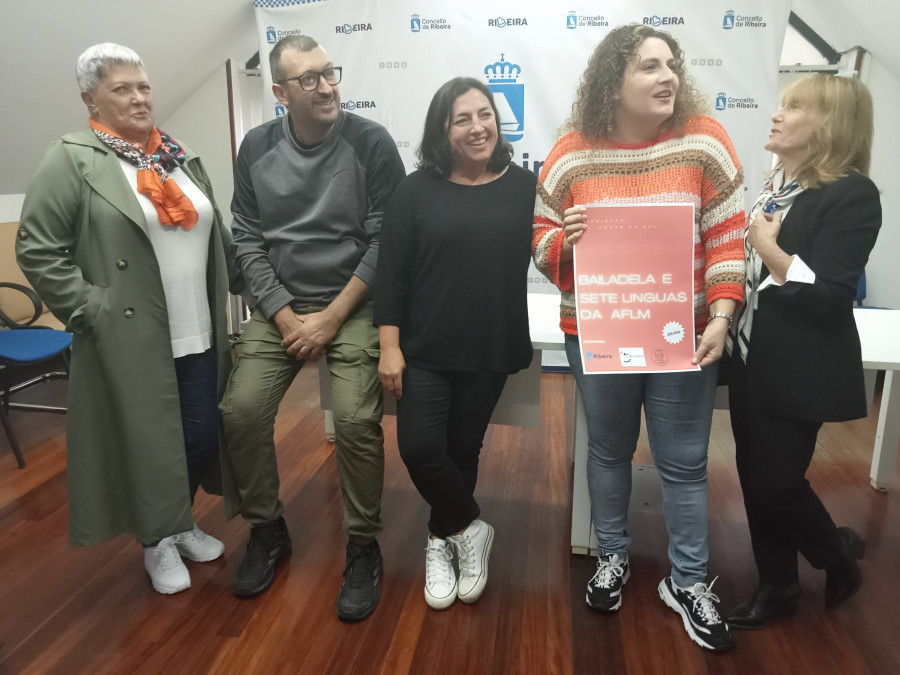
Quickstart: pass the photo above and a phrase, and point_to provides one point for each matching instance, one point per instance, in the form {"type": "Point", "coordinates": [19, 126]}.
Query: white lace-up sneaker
{"type": "Point", "coordinates": [198, 546]}
{"type": "Point", "coordinates": [473, 548]}
{"type": "Point", "coordinates": [167, 573]}
{"type": "Point", "coordinates": [440, 578]}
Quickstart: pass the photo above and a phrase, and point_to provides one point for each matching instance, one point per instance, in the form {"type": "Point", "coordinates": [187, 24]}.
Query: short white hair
{"type": "Point", "coordinates": [95, 61]}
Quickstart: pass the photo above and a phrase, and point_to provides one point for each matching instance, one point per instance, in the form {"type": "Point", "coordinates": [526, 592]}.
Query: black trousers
{"type": "Point", "coordinates": [441, 421]}
{"type": "Point", "coordinates": [198, 393]}
{"type": "Point", "coordinates": [785, 515]}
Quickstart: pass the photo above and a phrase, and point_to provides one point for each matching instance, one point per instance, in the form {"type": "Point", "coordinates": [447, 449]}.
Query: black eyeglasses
{"type": "Point", "coordinates": [310, 79]}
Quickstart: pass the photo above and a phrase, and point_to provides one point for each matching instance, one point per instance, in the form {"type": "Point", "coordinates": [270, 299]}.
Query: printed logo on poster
{"type": "Point", "coordinates": [574, 20]}
{"type": "Point", "coordinates": [657, 21]}
{"type": "Point", "coordinates": [501, 22]}
{"type": "Point", "coordinates": [725, 102]}
{"type": "Point", "coordinates": [357, 105]}
{"type": "Point", "coordinates": [271, 35]}
{"type": "Point", "coordinates": [731, 21]}
{"type": "Point", "coordinates": [280, 110]}
{"type": "Point", "coordinates": [509, 96]}
{"type": "Point", "coordinates": [417, 24]}
{"type": "Point", "coordinates": [350, 28]}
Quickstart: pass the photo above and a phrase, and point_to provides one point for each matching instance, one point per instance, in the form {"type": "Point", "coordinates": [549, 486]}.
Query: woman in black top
{"type": "Point", "coordinates": [450, 302]}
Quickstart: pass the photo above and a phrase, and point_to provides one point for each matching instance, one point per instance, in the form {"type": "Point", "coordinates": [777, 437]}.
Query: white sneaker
{"type": "Point", "coordinates": [473, 548]}
{"type": "Point", "coordinates": [198, 546]}
{"type": "Point", "coordinates": [440, 579]}
{"type": "Point", "coordinates": [167, 573]}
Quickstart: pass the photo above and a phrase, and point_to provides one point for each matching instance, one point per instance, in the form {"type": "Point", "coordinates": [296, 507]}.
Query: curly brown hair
{"type": "Point", "coordinates": [593, 111]}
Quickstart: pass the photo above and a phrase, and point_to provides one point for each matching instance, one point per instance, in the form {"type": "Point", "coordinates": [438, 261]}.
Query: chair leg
{"type": "Point", "coordinates": [17, 451]}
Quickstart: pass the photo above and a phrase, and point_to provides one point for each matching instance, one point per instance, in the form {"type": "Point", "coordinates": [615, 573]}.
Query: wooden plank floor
{"type": "Point", "coordinates": [92, 610]}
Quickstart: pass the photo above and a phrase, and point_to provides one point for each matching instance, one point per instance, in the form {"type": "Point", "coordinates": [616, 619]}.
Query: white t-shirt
{"type": "Point", "coordinates": [182, 257]}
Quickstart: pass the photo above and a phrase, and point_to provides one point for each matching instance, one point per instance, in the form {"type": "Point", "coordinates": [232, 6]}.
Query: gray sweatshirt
{"type": "Point", "coordinates": [307, 219]}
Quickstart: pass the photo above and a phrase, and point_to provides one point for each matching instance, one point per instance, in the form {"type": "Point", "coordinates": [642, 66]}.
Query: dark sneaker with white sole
{"type": "Point", "coordinates": [698, 612]}
{"type": "Point", "coordinates": [604, 590]}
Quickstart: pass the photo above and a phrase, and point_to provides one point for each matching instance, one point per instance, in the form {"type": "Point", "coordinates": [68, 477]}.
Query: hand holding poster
{"type": "Point", "coordinates": [634, 269]}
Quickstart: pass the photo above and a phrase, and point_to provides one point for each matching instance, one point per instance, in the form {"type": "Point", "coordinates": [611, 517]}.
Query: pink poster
{"type": "Point", "coordinates": [634, 288]}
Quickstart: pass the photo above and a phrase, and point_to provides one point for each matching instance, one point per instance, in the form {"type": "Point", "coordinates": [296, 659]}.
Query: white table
{"type": "Point", "coordinates": [879, 335]}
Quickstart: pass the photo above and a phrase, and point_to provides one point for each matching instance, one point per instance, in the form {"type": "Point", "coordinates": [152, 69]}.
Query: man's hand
{"type": "Point", "coordinates": [311, 336]}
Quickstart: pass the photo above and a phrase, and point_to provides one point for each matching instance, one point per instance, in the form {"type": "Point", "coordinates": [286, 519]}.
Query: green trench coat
{"type": "Point", "coordinates": [83, 245]}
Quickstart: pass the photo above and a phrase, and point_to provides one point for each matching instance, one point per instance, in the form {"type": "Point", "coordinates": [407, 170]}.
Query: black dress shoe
{"type": "Point", "coordinates": [844, 579]}
{"type": "Point", "coordinates": [769, 602]}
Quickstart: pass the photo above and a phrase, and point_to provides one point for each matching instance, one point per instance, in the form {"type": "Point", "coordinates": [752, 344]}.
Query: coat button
{"type": "Point", "coordinates": [129, 312]}
{"type": "Point", "coordinates": [22, 233]}
{"type": "Point", "coordinates": [121, 263]}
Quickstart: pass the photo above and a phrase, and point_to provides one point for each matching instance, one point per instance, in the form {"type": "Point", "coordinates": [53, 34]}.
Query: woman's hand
{"type": "Point", "coordinates": [763, 231]}
{"type": "Point", "coordinates": [390, 370]}
{"type": "Point", "coordinates": [573, 227]}
{"type": "Point", "coordinates": [712, 343]}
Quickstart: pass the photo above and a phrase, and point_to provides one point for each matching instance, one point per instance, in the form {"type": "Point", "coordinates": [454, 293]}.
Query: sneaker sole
{"type": "Point", "coordinates": [672, 603]}
{"type": "Point", "coordinates": [267, 580]}
{"type": "Point", "coordinates": [170, 590]}
{"type": "Point", "coordinates": [441, 603]}
{"type": "Point", "coordinates": [614, 608]}
{"type": "Point", "coordinates": [478, 589]}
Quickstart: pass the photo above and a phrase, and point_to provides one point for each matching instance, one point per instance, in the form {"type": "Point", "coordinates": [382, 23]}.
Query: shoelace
{"type": "Point", "coordinates": [466, 553]}
{"type": "Point", "coordinates": [168, 555]}
{"type": "Point", "coordinates": [703, 599]}
{"type": "Point", "coordinates": [437, 565]}
{"type": "Point", "coordinates": [607, 571]}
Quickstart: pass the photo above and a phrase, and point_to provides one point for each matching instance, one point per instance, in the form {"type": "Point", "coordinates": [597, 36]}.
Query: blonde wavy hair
{"type": "Point", "coordinates": [594, 109]}
{"type": "Point", "coordinates": [841, 140]}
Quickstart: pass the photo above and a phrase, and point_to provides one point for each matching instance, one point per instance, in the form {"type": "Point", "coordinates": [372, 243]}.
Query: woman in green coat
{"type": "Point", "coordinates": [121, 238]}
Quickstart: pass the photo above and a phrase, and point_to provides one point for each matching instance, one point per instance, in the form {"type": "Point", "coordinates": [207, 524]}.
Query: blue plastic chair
{"type": "Point", "coordinates": [22, 347]}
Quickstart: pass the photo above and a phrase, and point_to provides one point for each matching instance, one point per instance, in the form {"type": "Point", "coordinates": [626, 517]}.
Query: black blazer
{"type": "Point", "coordinates": [804, 359]}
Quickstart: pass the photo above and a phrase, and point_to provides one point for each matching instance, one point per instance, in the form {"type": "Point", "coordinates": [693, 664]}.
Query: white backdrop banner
{"type": "Point", "coordinates": [396, 53]}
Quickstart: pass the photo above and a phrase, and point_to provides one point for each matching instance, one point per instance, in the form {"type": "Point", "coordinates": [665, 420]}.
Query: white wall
{"type": "Point", "coordinates": [202, 123]}
{"type": "Point", "coordinates": [882, 277]}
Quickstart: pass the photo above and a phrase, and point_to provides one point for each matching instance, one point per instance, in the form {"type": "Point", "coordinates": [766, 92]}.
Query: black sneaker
{"type": "Point", "coordinates": [268, 543]}
{"type": "Point", "coordinates": [604, 590]}
{"type": "Point", "coordinates": [361, 588]}
{"type": "Point", "coordinates": [699, 614]}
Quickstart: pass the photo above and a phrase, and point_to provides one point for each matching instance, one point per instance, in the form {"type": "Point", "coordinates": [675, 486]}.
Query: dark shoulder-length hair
{"type": "Point", "coordinates": [434, 153]}
{"type": "Point", "coordinates": [593, 112]}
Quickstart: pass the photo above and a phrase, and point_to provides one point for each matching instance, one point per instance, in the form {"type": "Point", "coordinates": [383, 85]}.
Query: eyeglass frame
{"type": "Point", "coordinates": [320, 75]}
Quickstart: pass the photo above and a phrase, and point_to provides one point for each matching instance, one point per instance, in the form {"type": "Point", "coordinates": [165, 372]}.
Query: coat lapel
{"type": "Point", "coordinates": [108, 181]}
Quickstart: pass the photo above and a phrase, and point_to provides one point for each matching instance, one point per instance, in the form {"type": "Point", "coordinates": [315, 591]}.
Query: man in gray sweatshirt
{"type": "Point", "coordinates": [309, 191]}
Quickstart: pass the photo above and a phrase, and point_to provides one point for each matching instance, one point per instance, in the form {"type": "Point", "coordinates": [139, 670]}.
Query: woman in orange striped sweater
{"type": "Point", "coordinates": [637, 135]}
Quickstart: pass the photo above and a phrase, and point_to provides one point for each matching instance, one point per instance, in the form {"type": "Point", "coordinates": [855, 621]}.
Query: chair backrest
{"type": "Point", "coordinates": [861, 290]}
{"type": "Point", "coordinates": [16, 305]}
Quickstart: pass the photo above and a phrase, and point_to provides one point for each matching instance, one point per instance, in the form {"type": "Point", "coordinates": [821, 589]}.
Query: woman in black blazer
{"type": "Point", "coordinates": [795, 357]}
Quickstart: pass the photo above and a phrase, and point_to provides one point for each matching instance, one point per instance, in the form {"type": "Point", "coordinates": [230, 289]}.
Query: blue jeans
{"type": "Point", "coordinates": [678, 408]}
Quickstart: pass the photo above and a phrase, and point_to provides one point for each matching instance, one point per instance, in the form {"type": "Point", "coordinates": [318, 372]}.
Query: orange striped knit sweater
{"type": "Point", "coordinates": [699, 167]}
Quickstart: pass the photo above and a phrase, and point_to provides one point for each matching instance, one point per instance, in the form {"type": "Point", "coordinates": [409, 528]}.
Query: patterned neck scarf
{"type": "Point", "coordinates": [775, 197]}
{"type": "Point", "coordinates": [172, 206]}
